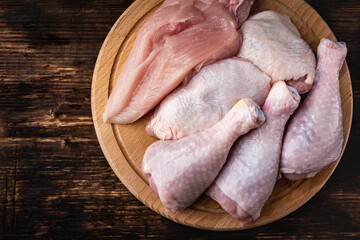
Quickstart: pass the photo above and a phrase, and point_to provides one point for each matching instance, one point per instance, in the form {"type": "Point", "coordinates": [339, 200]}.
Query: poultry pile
{"type": "Point", "coordinates": [226, 88]}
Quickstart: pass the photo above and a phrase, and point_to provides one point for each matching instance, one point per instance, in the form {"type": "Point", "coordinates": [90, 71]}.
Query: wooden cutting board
{"type": "Point", "coordinates": [125, 145]}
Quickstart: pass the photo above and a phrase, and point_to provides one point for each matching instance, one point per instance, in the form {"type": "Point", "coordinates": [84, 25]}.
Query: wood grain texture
{"type": "Point", "coordinates": [54, 180]}
{"type": "Point", "coordinates": [125, 145]}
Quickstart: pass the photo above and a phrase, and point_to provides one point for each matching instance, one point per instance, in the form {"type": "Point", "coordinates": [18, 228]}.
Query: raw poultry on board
{"type": "Point", "coordinates": [220, 58]}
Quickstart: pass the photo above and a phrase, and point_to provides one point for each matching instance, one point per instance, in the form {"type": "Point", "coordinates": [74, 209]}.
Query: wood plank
{"type": "Point", "coordinates": [54, 179]}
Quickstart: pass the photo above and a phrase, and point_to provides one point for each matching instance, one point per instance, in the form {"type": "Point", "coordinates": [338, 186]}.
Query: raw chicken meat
{"type": "Point", "coordinates": [208, 97]}
{"type": "Point", "coordinates": [249, 175]}
{"type": "Point", "coordinates": [179, 171]}
{"type": "Point", "coordinates": [314, 137]}
{"type": "Point", "coordinates": [180, 36]}
{"type": "Point", "coordinates": [273, 43]}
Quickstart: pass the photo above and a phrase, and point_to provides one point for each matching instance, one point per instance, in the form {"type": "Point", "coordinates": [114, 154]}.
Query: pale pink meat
{"type": "Point", "coordinates": [314, 137]}
{"type": "Point", "coordinates": [272, 42]}
{"type": "Point", "coordinates": [181, 35]}
{"type": "Point", "coordinates": [249, 175]}
{"type": "Point", "coordinates": [179, 171]}
{"type": "Point", "coordinates": [208, 96]}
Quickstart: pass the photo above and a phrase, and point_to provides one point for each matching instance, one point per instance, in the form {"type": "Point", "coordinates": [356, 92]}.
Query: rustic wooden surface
{"type": "Point", "coordinates": [54, 179]}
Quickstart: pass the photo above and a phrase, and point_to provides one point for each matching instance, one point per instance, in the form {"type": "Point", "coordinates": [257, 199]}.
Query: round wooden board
{"type": "Point", "coordinates": [125, 145]}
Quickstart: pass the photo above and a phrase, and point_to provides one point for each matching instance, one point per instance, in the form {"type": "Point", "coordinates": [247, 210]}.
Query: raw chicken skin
{"type": "Point", "coordinates": [249, 175]}
{"type": "Point", "coordinates": [179, 171]}
{"type": "Point", "coordinates": [272, 42]}
{"type": "Point", "coordinates": [314, 137]}
{"type": "Point", "coordinates": [180, 36]}
{"type": "Point", "coordinates": [208, 97]}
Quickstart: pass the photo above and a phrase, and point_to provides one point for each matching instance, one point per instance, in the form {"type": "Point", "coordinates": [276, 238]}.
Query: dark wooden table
{"type": "Point", "coordinates": [54, 179]}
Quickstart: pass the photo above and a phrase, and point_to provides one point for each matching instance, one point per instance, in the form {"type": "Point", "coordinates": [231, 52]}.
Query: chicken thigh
{"type": "Point", "coordinates": [180, 36]}
{"type": "Point", "coordinates": [179, 171]}
{"type": "Point", "coordinates": [272, 42]}
{"type": "Point", "coordinates": [314, 137]}
{"type": "Point", "coordinates": [208, 97]}
{"type": "Point", "coordinates": [249, 175]}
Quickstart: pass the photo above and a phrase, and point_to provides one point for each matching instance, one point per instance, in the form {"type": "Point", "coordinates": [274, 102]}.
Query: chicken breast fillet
{"type": "Point", "coordinates": [180, 36]}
